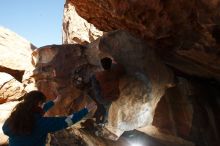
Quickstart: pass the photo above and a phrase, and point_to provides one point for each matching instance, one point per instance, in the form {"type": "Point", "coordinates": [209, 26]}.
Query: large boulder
{"type": "Point", "coordinates": [63, 70]}
{"type": "Point", "coordinates": [76, 29]}
{"type": "Point", "coordinates": [66, 69]}
{"type": "Point", "coordinates": [15, 56]}
{"type": "Point", "coordinates": [15, 63]}
{"type": "Point", "coordinates": [184, 33]}
{"type": "Point", "coordinates": [146, 81]}
{"type": "Point", "coordinates": [10, 88]}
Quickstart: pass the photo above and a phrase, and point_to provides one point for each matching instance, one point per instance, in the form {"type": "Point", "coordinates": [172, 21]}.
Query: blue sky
{"type": "Point", "coordinates": [38, 21]}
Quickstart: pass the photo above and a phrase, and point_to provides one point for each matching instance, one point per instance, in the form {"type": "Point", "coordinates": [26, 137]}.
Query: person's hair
{"type": "Point", "coordinates": [22, 120]}
{"type": "Point", "coordinates": [106, 63]}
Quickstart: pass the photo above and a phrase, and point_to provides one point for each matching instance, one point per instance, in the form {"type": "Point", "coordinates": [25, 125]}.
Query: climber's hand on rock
{"type": "Point", "coordinates": [57, 99]}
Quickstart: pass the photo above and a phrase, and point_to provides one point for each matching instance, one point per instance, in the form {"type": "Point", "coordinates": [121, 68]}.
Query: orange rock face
{"type": "Point", "coordinates": [184, 33]}
{"type": "Point", "coordinates": [65, 70]}
{"type": "Point", "coordinates": [54, 74]}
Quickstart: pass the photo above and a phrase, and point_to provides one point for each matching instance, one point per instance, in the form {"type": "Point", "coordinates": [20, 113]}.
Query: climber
{"type": "Point", "coordinates": [26, 126]}
{"type": "Point", "coordinates": [106, 88]}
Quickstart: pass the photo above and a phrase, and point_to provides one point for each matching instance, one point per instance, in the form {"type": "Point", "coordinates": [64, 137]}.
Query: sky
{"type": "Point", "coordinates": [38, 21]}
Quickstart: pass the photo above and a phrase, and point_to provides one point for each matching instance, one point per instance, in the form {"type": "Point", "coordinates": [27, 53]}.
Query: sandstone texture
{"type": "Point", "coordinates": [15, 52]}
{"type": "Point", "coordinates": [170, 51]}
{"type": "Point", "coordinates": [76, 29]}
{"type": "Point", "coordinates": [146, 81]}
{"type": "Point", "coordinates": [15, 68]}
{"type": "Point", "coordinates": [150, 100]}
{"type": "Point", "coordinates": [15, 61]}
{"type": "Point", "coordinates": [184, 33]}
{"type": "Point", "coordinates": [185, 37]}
{"type": "Point", "coordinates": [65, 70]}
{"type": "Point", "coordinates": [10, 88]}
{"type": "Point", "coordinates": [186, 113]}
